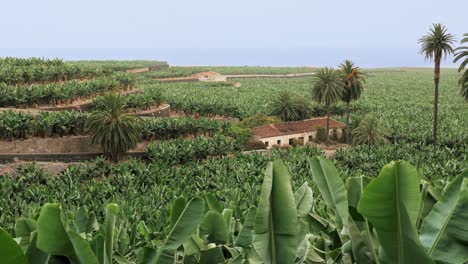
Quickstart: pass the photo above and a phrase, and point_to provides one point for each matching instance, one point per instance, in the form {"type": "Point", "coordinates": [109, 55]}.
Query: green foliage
{"type": "Point", "coordinates": [371, 132]}
{"type": "Point", "coordinates": [259, 120]}
{"type": "Point", "coordinates": [321, 135]}
{"type": "Point", "coordinates": [17, 71]}
{"type": "Point", "coordinates": [462, 53]}
{"type": "Point", "coordinates": [61, 93]}
{"type": "Point", "coordinates": [112, 127]}
{"type": "Point", "coordinates": [285, 227]}
{"type": "Point", "coordinates": [171, 128]}
{"type": "Point", "coordinates": [290, 108]}
{"type": "Point", "coordinates": [241, 134]}
{"type": "Point", "coordinates": [180, 151]}
{"type": "Point", "coordinates": [437, 43]}
{"type": "Point", "coordinates": [19, 125]}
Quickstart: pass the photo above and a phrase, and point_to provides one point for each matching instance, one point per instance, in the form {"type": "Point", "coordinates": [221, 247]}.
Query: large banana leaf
{"type": "Point", "coordinates": [331, 187]}
{"type": "Point", "coordinates": [444, 232]}
{"type": "Point", "coordinates": [111, 216]}
{"type": "Point", "coordinates": [244, 239]}
{"type": "Point", "coordinates": [214, 227]}
{"type": "Point", "coordinates": [391, 203]}
{"type": "Point", "coordinates": [53, 238]}
{"type": "Point", "coordinates": [183, 228]}
{"type": "Point", "coordinates": [276, 224]}
{"type": "Point", "coordinates": [304, 200]}
{"type": "Point", "coordinates": [10, 251]}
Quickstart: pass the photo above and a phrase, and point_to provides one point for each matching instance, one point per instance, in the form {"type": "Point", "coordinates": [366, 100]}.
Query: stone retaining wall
{"type": "Point", "coordinates": [58, 145]}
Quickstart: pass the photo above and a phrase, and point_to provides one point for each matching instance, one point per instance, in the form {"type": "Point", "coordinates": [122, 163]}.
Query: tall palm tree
{"type": "Point", "coordinates": [112, 127]}
{"type": "Point", "coordinates": [328, 90]}
{"type": "Point", "coordinates": [354, 81]}
{"type": "Point", "coordinates": [462, 52]}
{"type": "Point", "coordinates": [436, 45]}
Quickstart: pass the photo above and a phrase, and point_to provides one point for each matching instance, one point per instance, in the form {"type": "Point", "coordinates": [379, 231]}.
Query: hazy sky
{"type": "Point", "coordinates": [225, 24]}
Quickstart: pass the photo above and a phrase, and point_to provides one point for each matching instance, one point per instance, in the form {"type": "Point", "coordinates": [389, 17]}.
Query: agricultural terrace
{"type": "Point", "coordinates": [192, 153]}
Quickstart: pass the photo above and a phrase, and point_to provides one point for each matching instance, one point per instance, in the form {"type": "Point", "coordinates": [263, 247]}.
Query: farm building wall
{"type": "Point", "coordinates": [284, 140]}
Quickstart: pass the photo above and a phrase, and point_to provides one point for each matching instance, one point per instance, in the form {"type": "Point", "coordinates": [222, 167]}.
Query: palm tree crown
{"type": "Point", "coordinates": [462, 53]}
{"type": "Point", "coordinates": [438, 43]}
{"type": "Point", "coordinates": [328, 90]}
{"type": "Point", "coordinates": [353, 80]}
{"type": "Point", "coordinates": [328, 87]}
{"type": "Point", "coordinates": [370, 131]}
{"type": "Point", "coordinates": [289, 107]}
{"type": "Point", "coordinates": [113, 127]}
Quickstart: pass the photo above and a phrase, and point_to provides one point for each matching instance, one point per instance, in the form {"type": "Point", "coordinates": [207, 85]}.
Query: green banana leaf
{"type": "Point", "coordinates": [304, 200]}
{"type": "Point", "coordinates": [183, 228]}
{"type": "Point", "coordinates": [360, 245]}
{"type": "Point", "coordinates": [331, 187]}
{"type": "Point", "coordinates": [23, 229]}
{"type": "Point", "coordinates": [212, 256]}
{"type": "Point", "coordinates": [112, 211]}
{"type": "Point", "coordinates": [214, 227]}
{"type": "Point", "coordinates": [276, 224]}
{"type": "Point", "coordinates": [10, 251]}
{"type": "Point", "coordinates": [33, 254]}
{"type": "Point", "coordinates": [444, 232]}
{"type": "Point", "coordinates": [244, 239]}
{"type": "Point", "coordinates": [391, 203]}
{"type": "Point", "coordinates": [53, 238]}
{"type": "Point", "coordinates": [177, 208]}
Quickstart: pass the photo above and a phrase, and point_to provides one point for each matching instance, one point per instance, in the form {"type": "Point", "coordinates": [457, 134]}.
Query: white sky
{"type": "Point", "coordinates": [224, 24]}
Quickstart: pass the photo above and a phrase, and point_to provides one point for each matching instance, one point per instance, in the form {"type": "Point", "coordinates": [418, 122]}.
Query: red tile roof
{"type": "Point", "coordinates": [296, 127]}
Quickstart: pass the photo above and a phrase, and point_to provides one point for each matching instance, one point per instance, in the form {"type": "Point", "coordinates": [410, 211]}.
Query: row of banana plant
{"type": "Point", "coordinates": [16, 71]}
{"type": "Point", "coordinates": [21, 125]}
{"type": "Point", "coordinates": [61, 93]}
{"type": "Point", "coordinates": [394, 218]}
{"type": "Point", "coordinates": [180, 151]}
{"type": "Point", "coordinates": [170, 128]}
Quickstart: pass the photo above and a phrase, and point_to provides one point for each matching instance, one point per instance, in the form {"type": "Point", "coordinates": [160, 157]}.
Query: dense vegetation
{"type": "Point", "coordinates": [360, 222]}
{"type": "Point", "coordinates": [18, 125]}
{"type": "Point", "coordinates": [203, 155]}
{"type": "Point", "coordinates": [14, 71]}
{"type": "Point", "coordinates": [62, 93]}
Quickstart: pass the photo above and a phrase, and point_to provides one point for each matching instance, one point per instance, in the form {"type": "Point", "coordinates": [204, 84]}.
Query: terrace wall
{"type": "Point", "coordinates": [59, 145]}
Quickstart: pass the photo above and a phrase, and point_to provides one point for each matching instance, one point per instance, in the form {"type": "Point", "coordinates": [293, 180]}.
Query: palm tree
{"type": "Point", "coordinates": [328, 90]}
{"type": "Point", "coordinates": [112, 127]}
{"type": "Point", "coordinates": [370, 131]}
{"type": "Point", "coordinates": [289, 107]}
{"type": "Point", "coordinates": [462, 52]}
{"type": "Point", "coordinates": [436, 45]}
{"type": "Point", "coordinates": [354, 81]}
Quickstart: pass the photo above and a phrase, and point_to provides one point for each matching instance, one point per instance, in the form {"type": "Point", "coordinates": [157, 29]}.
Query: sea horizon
{"type": "Point", "coordinates": [274, 57]}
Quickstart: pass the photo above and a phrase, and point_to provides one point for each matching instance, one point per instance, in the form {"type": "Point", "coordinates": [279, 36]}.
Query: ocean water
{"type": "Point", "coordinates": [364, 57]}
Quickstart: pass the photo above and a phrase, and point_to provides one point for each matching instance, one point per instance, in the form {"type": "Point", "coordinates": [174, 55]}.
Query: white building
{"type": "Point", "coordinates": [283, 134]}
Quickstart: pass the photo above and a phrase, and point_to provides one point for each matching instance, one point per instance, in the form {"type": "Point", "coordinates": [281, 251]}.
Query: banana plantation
{"type": "Point", "coordinates": [197, 185]}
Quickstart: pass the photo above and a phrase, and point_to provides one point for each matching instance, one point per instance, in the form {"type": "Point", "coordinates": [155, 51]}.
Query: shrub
{"type": "Point", "coordinates": [242, 135]}
{"type": "Point", "coordinates": [370, 131]}
{"type": "Point", "coordinates": [259, 120]}
{"type": "Point", "coordinates": [254, 144]}
{"type": "Point", "coordinates": [113, 128]}
{"type": "Point", "coordinates": [321, 134]}
{"type": "Point", "coordinates": [334, 135]}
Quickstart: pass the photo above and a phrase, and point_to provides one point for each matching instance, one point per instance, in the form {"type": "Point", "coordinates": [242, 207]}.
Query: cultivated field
{"type": "Point", "coordinates": [195, 155]}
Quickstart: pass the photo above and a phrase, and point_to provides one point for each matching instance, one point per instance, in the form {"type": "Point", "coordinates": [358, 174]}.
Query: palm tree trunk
{"type": "Point", "coordinates": [328, 125]}
{"type": "Point", "coordinates": [348, 129]}
{"type": "Point", "coordinates": [436, 98]}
